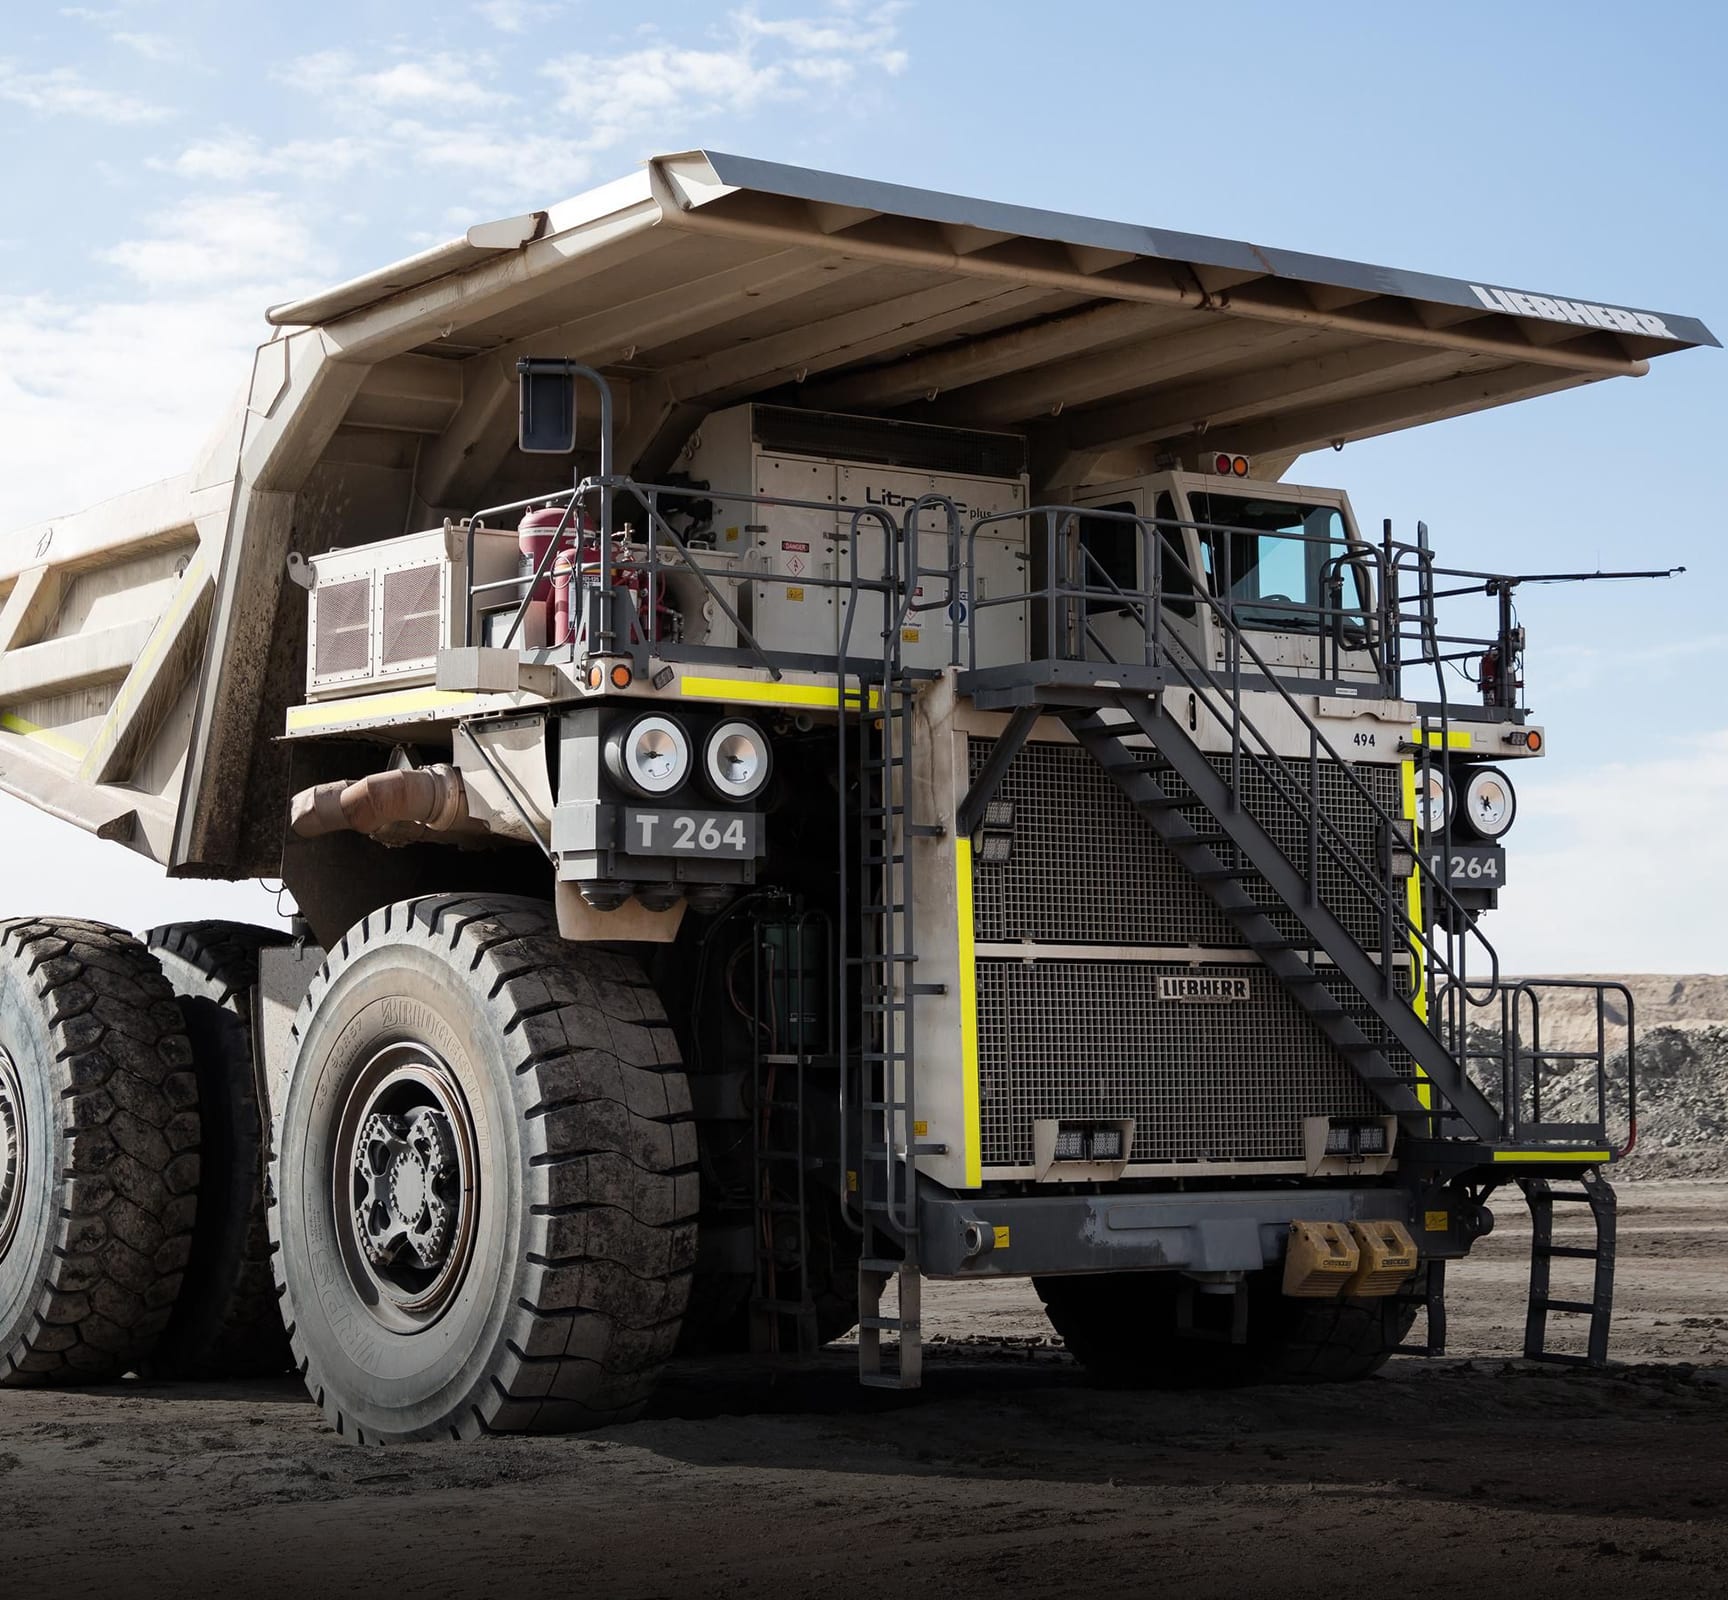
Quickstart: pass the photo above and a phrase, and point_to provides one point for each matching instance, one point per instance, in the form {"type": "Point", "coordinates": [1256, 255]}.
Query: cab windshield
{"type": "Point", "coordinates": [1281, 565]}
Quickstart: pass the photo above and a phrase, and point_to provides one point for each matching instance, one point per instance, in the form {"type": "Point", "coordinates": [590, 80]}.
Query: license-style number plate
{"type": "Point", "coordinates": [691, 833]}
{"type": "Point", "coordinates": [1478, 866]}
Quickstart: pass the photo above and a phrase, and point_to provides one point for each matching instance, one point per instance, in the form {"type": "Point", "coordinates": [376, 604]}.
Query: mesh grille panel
{"type": "Point", "coordinates": [1202, 1082]}
{"type": "Point", "coordinates": [413, 617]}
{"type": "Point", "coordinates": [1088, 869]}
{"type": "Point", "coordinates": [344, 627]}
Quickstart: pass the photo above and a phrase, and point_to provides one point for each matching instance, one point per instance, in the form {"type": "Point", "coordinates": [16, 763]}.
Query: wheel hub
{"type": "Point", "coordinates": [13, 1150]}
{"type": "Point", "coordinates": [407, 1177]}
{"type": "Point", "coordinates": [405, 1183]}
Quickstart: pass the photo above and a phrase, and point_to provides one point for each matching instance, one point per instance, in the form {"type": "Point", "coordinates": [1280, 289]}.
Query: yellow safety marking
{"type": "Point", "coordinates": [968, 1015]}
{"type": "Point", "coordinates": [1001, 1237]}
{"type": "Point", "coordinates": [57, 742]}
{"type": "Point", "coordinates": [1586, 1156]}
{"type": "Point", "coordinates": [1454, 738]}
{"type": "Point", "coordinates": [364, 708]}
{"type": "Point", "coordinates": [921, 1129]}
{"type": "Point", "coordinates": [1413, 908]}
{"type": "Point", "coordinates": [754, 691]}
{"type": "Point", "coordinates": [1435, 1221]}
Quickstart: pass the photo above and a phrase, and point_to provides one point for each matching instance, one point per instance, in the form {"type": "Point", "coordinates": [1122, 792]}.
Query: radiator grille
{"type": "Point", "coordinates": [1088, 869]}
{"type": "Point", "coordinates": [413, 615]}
{"type": "Point", "coordinates": [1202, 1082]}
{"type": "Point", "coordinates": [344, 628]}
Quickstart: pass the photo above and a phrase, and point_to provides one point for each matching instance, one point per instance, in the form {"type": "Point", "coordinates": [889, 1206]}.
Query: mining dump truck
{"type": "Point", "coordinates": [815, 748]}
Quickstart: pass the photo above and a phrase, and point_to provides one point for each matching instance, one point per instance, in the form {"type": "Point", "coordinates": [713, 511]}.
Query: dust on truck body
{"type": "Point", "coordinates": [814, 748]}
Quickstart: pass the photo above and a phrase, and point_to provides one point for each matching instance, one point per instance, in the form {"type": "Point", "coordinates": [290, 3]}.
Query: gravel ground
{"type": "Point", "coordinates": [1005, 1475]}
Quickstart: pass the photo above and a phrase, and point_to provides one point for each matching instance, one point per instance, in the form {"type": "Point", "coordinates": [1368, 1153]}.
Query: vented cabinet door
{"type": "Point", "coordinates": [411, 622]}
{"type": "Point", "coordinates": [342, 630]}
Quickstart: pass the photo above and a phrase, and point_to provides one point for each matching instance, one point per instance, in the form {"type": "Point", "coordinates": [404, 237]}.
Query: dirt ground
{"type": "Point", "coordinates": [1005, 1476]}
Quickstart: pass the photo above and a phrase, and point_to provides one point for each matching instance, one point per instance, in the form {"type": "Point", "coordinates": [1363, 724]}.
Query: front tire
{"type": "Point", "coordinates": [485, 1191]}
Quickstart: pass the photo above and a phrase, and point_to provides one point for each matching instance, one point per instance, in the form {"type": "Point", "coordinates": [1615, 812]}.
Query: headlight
{"type": "Point", "coordinates": [651, 755]}
{"type": "Point", "coordinates": [1489, 804]}
{"type": "Point", "coordinates": [735, 760]}
{"type": "Point", "coordinates": [1433, 801]}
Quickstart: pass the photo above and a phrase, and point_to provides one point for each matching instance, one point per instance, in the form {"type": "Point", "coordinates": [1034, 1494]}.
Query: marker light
{"type": "Point", "coordinates": [651, 755]}
{"type": "Point", "coordinates": [735, 760]}
{"type": "Point", "coordinates": [1489, 804]}
{"type": "Point", "coordinates": [1433, 801]}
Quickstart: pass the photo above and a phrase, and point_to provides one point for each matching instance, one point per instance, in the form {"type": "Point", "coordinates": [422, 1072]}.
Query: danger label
{"type": "Point", "coordinates": [795, 544]}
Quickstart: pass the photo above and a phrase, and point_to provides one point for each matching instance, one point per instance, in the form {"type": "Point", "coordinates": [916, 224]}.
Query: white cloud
{"type": "Point", "coordinates": [436, 82]}
{"type": "Point", "coordinates": [63, 91]}
{"type": "Point", "coordinates": [233, 157]}
{"type": "Point", "coordinates": [151, 46]}
{"type": "Point", "coordinates": [257, 240]}
{"type": "Point", "coordinates": [1619, 868]}
{"type": "Point", "coordinates": [660, 87]}
{"type": "Point", "coordinates": [100, 397]}
{"type": "Point", "coordinates": [516, 16]}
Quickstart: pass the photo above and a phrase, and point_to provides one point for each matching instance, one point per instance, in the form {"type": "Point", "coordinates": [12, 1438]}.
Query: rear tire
{"type": "Point", "coordinates": [227, 1322]}
{"type": "Point", "coordinates": [1121, 1327]}
{"type": "Point", "coordinates": [485, 1187]}
{"type": "Point", "coordinates": [98, 1152]}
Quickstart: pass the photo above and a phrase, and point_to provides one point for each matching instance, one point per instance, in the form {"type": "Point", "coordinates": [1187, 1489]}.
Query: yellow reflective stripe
{"type": "Point", "coordinates": [755, 691]}
{"type": "Point", "coordinates": [10, 722]}
{"type": "Point", "coordinates": [968, 1015]}
{"type": "Point", "coordinates": [364, 708]}
{"type": "Point", "coordinates": [1586, 1156]}
{"type": "Point", "coordinates": [1454, 738]}
{"type": "Point", "coordinates": [1413, 907]}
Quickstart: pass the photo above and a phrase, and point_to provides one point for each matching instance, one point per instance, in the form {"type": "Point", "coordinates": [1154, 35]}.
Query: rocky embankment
{"type": "Point", "coordinates": [1682, 1055]}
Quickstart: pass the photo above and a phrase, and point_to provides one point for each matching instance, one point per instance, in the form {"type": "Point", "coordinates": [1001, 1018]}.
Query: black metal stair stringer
{"type": "Point", "coordinates": [1102, 738]}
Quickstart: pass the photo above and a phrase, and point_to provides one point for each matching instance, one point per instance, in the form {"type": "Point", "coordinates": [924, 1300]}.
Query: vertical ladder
{"type": "Point", "coordinates": [887, 988]}
{"type": "Point", "coordinates": [780, 1298]}
{"type": "Point", "coordinates": [1598, 1194]}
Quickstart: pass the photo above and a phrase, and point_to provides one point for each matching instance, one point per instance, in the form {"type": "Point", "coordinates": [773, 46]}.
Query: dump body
{"type": "Point", "coordinates": [152, 644]}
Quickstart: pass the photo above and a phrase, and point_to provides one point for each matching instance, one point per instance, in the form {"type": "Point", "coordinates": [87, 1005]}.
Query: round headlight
{"type": "Point", "coordinates": [1489, 804]}
{"type": "Point", "coordinates": [1433, 801]}
{"type": "Point", "coordinates": [735, 760]}
{"type": "Point", "coordinates": [651, 755]}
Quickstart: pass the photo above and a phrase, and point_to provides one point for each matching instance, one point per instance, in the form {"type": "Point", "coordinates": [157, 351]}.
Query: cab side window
{"type": "Point", "coordinates": [1112, 557]}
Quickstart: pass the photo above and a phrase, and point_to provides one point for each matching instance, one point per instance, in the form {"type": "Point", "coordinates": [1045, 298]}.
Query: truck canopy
{"type": "Point", "coordinates": [147, 649]}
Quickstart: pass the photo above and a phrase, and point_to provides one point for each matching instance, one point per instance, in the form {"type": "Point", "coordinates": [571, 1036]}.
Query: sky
{"type": "Point", "coordinates": [174, 166]}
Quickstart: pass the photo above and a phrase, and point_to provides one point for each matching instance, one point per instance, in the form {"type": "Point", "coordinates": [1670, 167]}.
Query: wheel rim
{"type": "Point", "coordinates": [14, 1152]}
{"type": "Point", "coordinates": [405, 1186]}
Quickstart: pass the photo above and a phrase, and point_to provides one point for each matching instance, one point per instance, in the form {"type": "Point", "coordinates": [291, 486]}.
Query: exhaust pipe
{"type": "Point", "coordinates": [428, 797]}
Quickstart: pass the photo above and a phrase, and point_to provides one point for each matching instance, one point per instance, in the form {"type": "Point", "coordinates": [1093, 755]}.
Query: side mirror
{"type": "Point", "coordinates": [546, 419]}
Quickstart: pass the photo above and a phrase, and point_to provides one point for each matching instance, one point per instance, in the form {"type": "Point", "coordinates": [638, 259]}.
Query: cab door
{"type": "Point", "coordinates": [1110, 555]}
